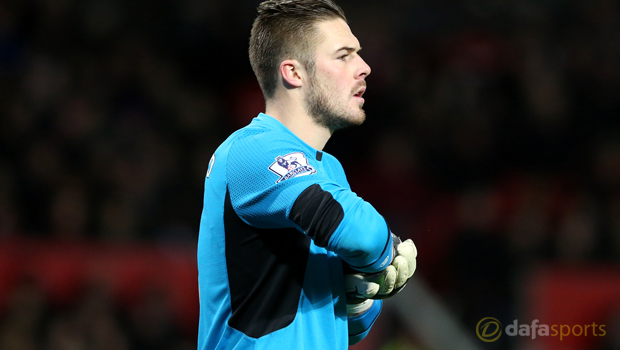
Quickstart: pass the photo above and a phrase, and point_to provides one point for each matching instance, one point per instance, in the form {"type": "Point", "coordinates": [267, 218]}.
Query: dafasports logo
{"type": "Point", "coordinates": [489, 329]}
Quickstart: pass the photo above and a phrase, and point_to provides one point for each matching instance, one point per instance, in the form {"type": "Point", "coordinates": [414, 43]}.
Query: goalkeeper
{"type": "Point", "coordinates": [288, 256]}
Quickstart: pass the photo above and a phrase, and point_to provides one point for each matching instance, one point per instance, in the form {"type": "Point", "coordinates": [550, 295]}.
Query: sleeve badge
{"type": "Point", "coordinates": [291, 165]}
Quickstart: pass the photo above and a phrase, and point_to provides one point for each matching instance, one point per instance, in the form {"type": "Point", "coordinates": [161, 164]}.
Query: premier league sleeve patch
{"type": "Point", "coordinates": [291, 165]}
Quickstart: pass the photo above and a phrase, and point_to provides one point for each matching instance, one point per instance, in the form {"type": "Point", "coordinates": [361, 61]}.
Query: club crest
{"type": "Point", "coordinates": [291, 165]}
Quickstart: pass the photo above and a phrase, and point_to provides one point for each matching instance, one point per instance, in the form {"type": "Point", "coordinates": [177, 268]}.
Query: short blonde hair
{"type": "Point", "coordinates": [285, 29]}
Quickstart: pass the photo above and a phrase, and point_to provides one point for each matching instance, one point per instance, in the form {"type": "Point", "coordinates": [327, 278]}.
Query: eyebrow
{"type": "Point", "coordinates": [349, 49]}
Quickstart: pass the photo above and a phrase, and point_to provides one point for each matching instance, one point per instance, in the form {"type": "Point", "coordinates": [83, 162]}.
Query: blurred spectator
{"type": "Point", "coordinates": [24, 320]}
{"type": "Point", "coordinates": [611, 342]}
{"type": "Point", "coordinates": [482, 264]}
{"type": "Point", "coordinates": [152, 324]}
{"type": "Point", "coordinates": [90, 323]}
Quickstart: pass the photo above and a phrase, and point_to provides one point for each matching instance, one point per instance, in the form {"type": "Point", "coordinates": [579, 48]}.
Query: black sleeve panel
{"type": "Point", "coordinates": [266, 270]}
{"type": "Point", "coordinates": [317, 213]}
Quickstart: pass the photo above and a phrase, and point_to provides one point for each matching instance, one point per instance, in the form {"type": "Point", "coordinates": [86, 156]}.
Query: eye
{"type": "Point", "coordinates": [343, 56]}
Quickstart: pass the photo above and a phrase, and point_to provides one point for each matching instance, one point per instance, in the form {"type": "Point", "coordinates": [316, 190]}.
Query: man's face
{"type": "Point", "coordinates": [334, 95]}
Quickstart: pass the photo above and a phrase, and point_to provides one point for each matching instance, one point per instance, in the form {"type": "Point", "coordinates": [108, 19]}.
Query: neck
{"type": "Point", "coordinates": [292, 115]}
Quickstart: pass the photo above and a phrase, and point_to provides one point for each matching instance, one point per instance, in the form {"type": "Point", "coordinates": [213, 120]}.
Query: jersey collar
{"type": "Point", "coordinates": [271, 122]}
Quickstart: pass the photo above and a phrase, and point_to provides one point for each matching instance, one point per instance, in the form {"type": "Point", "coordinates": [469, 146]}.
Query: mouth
{"type": "Point", "coordinates": [360, 91]}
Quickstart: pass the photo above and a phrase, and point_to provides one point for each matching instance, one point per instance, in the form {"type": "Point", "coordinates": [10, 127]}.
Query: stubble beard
{"type": "Point", "coordinates": [322, 105]}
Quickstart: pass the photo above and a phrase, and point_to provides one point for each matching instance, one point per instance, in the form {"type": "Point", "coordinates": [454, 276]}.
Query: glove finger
{"type": "Point", "coordinates": [411, 268]}
{"type": "Point", "coordinates": [389, 279]}
{"type": "Point", "coordinates": [407, 247]}
{"type": "Point", "coordinates": [352, 281]}
{"type": "Point", "coordinates": [402, 269]}
{"type": "Point", "coordinates": [362, 285]}
{"type": "Point", "coordinates": [408, 250]}
{"type": "Point", "coordinates": [368, 290]}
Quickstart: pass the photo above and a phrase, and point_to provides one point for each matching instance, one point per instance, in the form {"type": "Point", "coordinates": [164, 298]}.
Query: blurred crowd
{"type": "Point", "coordinates": [492, 137]}
{"type": "Point", "coordinates": [91, 321]}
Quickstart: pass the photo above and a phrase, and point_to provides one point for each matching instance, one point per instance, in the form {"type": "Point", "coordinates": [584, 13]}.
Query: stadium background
{"type": "Point", "coordinates": [492, 140]}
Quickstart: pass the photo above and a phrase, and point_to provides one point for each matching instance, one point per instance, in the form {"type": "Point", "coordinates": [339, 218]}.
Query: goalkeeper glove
{"type": "Point", "coordinates": [387, 283]}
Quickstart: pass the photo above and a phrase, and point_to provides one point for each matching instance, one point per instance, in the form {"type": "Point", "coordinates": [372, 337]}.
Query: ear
{"type": "Point", "coordinates": [291, 72]}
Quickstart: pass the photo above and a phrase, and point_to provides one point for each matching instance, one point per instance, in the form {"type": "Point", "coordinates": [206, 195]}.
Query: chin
{"type": "Point", "coordinates": [359, 117]}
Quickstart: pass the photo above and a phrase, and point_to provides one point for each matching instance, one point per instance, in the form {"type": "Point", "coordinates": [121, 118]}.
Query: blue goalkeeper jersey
{"type": "Point", "coordinates": [279, 219]}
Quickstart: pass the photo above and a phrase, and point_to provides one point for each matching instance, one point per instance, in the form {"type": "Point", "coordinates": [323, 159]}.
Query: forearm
{"type": "Point", "coordinates": [342, 222]}
{"type": "Point", "coordinates": [361, 323]}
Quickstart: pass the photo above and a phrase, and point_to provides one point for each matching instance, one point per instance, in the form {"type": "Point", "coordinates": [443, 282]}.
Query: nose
{"type": "Point", "coordinates": [364, 69]}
